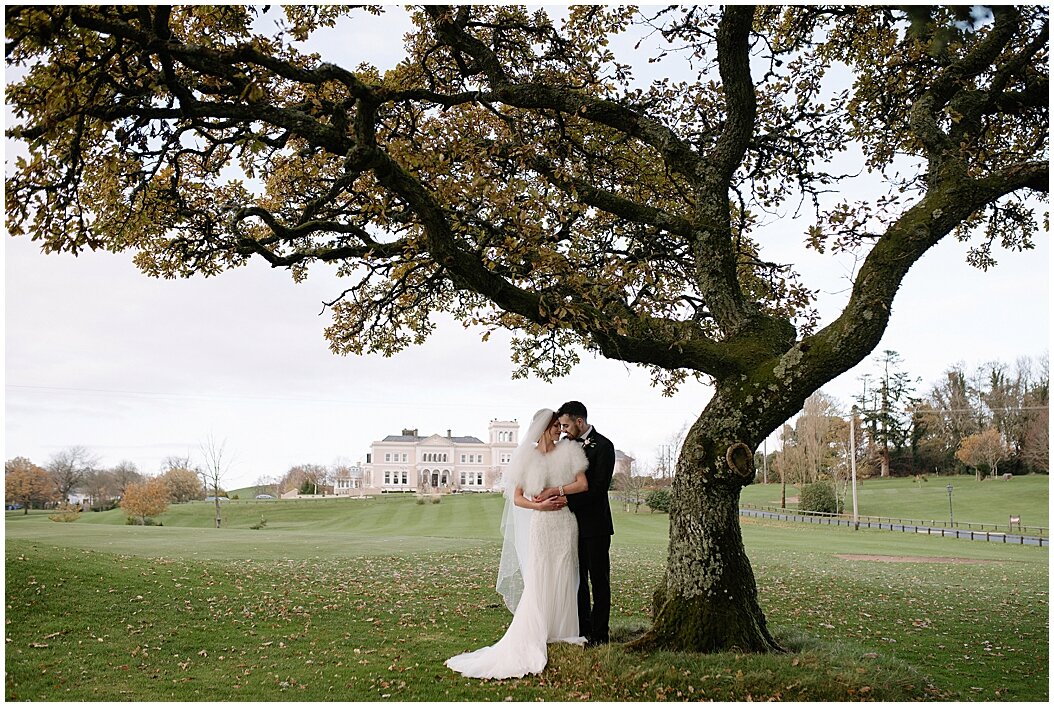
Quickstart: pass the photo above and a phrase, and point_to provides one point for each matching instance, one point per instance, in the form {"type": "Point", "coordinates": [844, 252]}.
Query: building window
{"type": "Point", "coordinates": [479, 478]}
{"type": "Point", "coordinates": [404, 478]}
{"type": "Point", "coordinates": [387, 478]}
{"type": "Point", "coordinates": [387, 457]}
{"type": "Point", "coordinates": [404, 457]}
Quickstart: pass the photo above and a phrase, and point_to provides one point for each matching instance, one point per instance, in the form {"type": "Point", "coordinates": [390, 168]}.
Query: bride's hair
{"type": "Point", "coordinates": [552, 418]}
{"type": "Point", "coordinates": [521, 456]}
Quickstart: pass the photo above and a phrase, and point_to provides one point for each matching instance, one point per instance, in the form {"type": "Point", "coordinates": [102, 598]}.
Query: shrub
{"type": "Point", "coordinates": [658, 500]}
{"type": "Point", "coordinates": [421, 500]}
{"type": "Point", "coordinates": [106, 505]}
{"type": "Point", "coordinates": [66, 513]}
{"type": "Point", "coordinates": [261, 524]}
{"type": "Point", "coordinates": [436, 498]}
{"type": "Point", "coordinates": [132, 520]}
{"type": "Point", "coordinates": [818, 498]}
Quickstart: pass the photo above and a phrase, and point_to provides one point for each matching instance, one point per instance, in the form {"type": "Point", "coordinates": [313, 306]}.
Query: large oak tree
{"type": "Point", "coordinates": [510, 171]}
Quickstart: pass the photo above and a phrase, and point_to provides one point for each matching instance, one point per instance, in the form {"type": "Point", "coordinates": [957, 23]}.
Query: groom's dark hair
{"type": "Point", "coordinates": [574, 409]}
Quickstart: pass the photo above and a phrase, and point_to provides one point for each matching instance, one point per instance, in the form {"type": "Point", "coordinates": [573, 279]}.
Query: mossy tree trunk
{"type": "Point", "coordinates": [708, 599]}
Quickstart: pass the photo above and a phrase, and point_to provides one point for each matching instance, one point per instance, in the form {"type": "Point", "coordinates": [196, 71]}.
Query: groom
{"type": "Point", "coordinates": [595, 529]}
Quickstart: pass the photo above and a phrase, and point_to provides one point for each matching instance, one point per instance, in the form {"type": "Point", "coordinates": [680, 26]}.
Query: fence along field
{"type": "Point", "coordinates": [362, 600]}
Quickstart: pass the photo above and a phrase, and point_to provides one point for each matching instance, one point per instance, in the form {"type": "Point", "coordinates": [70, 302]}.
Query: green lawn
{"type": "Point", "coordinates": [990, 501]}
{"type": "Point", "coordinates": [364, 599]}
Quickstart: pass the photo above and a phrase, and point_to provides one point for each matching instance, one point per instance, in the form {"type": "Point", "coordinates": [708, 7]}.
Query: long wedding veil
{"type": "Point", "coordinates": [516, 521]}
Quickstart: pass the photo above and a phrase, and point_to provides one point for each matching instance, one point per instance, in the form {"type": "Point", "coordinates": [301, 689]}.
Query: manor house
{"type": "Point", "coordinates": [412, 462]}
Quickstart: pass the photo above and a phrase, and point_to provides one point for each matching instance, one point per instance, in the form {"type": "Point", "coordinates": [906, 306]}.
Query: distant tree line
{"type": "Point", "coordinates": [76, 471]}
{"type": "Point", "coordinates": [307, 478]}
{"type": "Point", "coordinates": [994, 419]}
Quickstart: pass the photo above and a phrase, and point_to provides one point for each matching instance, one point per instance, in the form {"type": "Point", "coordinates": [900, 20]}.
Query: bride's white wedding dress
{"type": "Point", "coordinates": [547, 611]}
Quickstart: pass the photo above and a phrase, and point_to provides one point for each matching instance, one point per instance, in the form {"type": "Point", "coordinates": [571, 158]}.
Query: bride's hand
{"type": "Point", "coordinates": [553, 503]}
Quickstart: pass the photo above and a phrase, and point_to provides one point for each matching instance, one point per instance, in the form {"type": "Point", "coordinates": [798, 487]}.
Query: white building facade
{"type": "Point", "coordinates": [348, 481]}
{"type": "Point", "coordinates": [436, 464]}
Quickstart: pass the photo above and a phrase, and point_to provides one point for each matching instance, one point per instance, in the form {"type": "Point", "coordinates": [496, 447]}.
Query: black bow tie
{"type": "Point", "coordinates": [578, 439]}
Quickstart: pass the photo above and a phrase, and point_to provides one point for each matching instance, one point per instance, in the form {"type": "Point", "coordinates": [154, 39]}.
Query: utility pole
{"type": "Point", "coordinates": [852, 465]}
{"type": "Point", "coordinates": [765, 459]}
{"type": "Point", "coordinates": [666, 460]}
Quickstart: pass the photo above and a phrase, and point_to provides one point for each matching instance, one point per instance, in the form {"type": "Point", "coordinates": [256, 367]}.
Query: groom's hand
{"type": "Point", "coordinates": [548, 493]}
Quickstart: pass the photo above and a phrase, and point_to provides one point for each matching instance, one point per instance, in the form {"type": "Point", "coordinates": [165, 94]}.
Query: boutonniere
{"type": "Point", "coordinates": [589, 443]}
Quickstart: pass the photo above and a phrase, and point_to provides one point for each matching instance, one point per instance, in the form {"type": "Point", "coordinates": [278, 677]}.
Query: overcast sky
{"type": "Point", "coordinates": [137, 369]}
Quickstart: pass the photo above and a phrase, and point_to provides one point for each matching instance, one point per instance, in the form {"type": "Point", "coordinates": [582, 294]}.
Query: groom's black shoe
{"type": "Point", "coordinates": [594, 642]}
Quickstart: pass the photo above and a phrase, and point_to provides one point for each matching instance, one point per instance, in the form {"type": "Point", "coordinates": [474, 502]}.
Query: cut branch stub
{"type": "Point", "coordinates": [740, 459]}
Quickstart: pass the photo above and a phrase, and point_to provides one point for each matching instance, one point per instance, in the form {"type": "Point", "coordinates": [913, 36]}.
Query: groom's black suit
{"type": "Point", "coordinates": [593, 512]}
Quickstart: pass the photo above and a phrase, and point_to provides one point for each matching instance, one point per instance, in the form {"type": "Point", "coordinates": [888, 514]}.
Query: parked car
{"type": "Point", "coordinates": [213, 498]}
{"type": "Point", "coordinates": [264, 495]}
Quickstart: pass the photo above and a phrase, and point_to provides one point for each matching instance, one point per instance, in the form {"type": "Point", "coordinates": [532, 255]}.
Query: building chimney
{"type": "Point", "coordinates": [448, 434]}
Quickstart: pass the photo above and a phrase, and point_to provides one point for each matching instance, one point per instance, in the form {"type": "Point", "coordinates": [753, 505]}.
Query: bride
{"type": "Point", "coordinates": [538, 572]}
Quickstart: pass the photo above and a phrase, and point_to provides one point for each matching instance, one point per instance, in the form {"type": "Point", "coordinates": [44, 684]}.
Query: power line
{"type": "Point", "coordinates": [159, 394]}
{"type": "Point", "coordinates": [442, 403]}
{"type": "Point", "coordinates": [1014, 409]}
